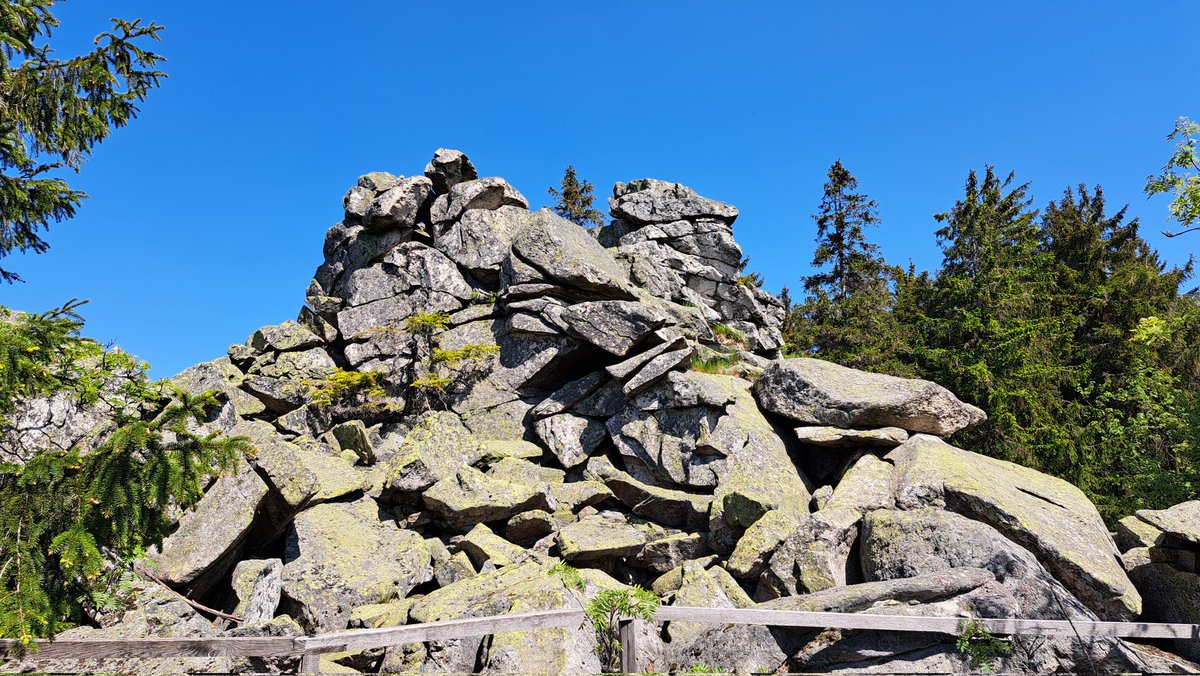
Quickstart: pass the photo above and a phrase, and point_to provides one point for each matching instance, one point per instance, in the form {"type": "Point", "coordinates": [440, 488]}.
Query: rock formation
{"type": "Point", "coordinates": [476, 392]}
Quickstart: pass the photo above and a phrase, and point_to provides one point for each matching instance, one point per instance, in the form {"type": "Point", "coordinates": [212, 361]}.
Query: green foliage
{"type": "Point", "coordinates": [354, 389]}
{"type": "Point", "coordinates": [55, 111]}
{"type": "Point", "coordinates": [1178, 179]}
{"type": "Point", "coordinates": [729, 333]}
{"type": "Point", "coordinates": [716, 364]}
{"type": "Point", "coordinates": [466, 353]}
{"type": "Point", "coordinates": [1065, 326]}
{"type": "Point", "coordinates": [607, 608]}
{"type": "Point", "coordinates": [570, 576]}
{"type": "Point", "coordinates": [750, 280]}
{"type": "Point", "coordinates": [980, 646]}
{"type": "Point", "coordinates": [62, 511]}
{"type": "Point", "coordinates": [432, 384]}
{"type": "Point", "coordinates": [427, 323]}
{"type": "Point", "coordinates": [703, 668]}
{"type": "Point", "coordinates": [846, 316]}
{"type": "Point", "coordinates": [573, 200]}
{"type": "Point", "coordinates": [68, 518]}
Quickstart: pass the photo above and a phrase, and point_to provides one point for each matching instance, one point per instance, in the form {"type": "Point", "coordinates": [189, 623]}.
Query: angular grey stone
{"type": "Point", "coordinates": [1047, 515]}
{"type": "Point", "coordinates": [652, 201]}
{"type": "Point", "coordinates": [1181, 521]}
{"type": "Point", "coordinates": [469, 496]}
{"type": "Point", "coordinates": [377, 181]}
{"type": "Point", "coordinates": [481, 239]}
{"type": "Point", "coordinates": [484, 193]}
{"type": "Point", "coordinates": [661, 505]}
{"type": "Point", "coordinates": [341, 555]}
{"type": "Point", "coordinates": [814, 557]}
{"type": "Point", "coordinates": [903, 544]}
{"type": "Point", "coordinates": [222, 375]}
{"type": "Point", "coordinates": [656, 369]}
{"type": "Point", "coordinates": [568, 395]}
{"type": "Point", "coordinates": [600, 536]}
{"type": "Point", "coordinates": [663, 554]}
{"type": "Point", "coordinates": [284, 337]}
{"type": "Point", "coordinates": [567, 255]}
{"type": "Point", "coordinates": [823, 393]}
{"type": "Point", "coordinates": [400, 205]}
{"type": "Point", "coordinates": [886, 437]}
{"type": "Point", "coordinates": [352, 436]}
{"type": "Point", "coordinates": [257, 583]}
{"type": "Point", "coordinates": [570, 438]}
{"type": "Point", "coordinates": [448, 168]}
{"type": "Point", "coordinates": [356, 201]}
{"type": "Point", "coordinates": [299, 476]}
{"type": "Point", "coordinates": [211, 533]}
{"type": "Point", "coordinates": [437, 447]}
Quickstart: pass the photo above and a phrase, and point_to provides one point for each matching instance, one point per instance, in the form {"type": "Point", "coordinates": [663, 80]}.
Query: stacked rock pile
{"type": "Point", "coordinates": [476, 393]}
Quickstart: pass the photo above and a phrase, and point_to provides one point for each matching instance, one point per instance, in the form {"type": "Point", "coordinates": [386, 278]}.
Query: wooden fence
{"type": "Point", "coordinates": [310, 648]}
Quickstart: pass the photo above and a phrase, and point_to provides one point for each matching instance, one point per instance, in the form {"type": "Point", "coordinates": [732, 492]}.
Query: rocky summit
{"type": "Point", "coordinates": [476, 393]}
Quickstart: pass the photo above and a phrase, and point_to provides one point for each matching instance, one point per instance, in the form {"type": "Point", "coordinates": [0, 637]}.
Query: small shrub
{"type": "Point", "coordinates": [427, 323]}
{"type": "Point", "coordinates": [466, 353]}
{"type": "Point", "coordinates": [980, 645]}
{"type": "Point", "coordinates": [358, 388]}
{"type": "Point", "coordinates": [605, 611]}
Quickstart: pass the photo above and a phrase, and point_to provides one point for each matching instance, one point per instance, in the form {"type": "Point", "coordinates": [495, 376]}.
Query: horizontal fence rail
{"type": "Point", "coordinates": [309, 648]}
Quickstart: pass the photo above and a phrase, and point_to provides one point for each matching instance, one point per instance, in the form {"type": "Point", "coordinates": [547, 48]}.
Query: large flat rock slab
{"type": "Point", "coordinates": [818, 392]}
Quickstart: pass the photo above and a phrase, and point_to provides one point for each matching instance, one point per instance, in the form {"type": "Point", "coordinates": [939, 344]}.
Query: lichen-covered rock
{"type": "Point", "coordinates": [1048, 516]}
{"type": "Point", "coordinates": [483, 193]}
{"type": "Point", "coordinates": [285, 337]}
{"type": "Point", "coordinates": [886, 437]}
{"type": "Point", "coordinates": [342, 555]}
{"type": "Point", "coordinates": [661, 505]}
{"type": "Point", "coordinates": [818, 392]}
{"type": "Point", "coordinates": [1132, 532]}
{"type": "Point", "coordinates": [571, 438]}
{"type": "Point", "coordinates": [400, 205]}
{"type": "Point", "coordinates": [469, 496]}
{"type": "Point", "coordinates": [1170, 595]}
{"type": "Point", "coordinates": [448, 168]}
{"type": "Point", "coordinates": [257, 583]}
{"type": "Point", "coordinates": [649, 200]}
{"type": "Point", "coordinates": [223, 376]}
{"type": "Point", "coordinates": [760, 540]}
{"type": "Point", "coordinates": [1181, 521]}
{"type": "Point", "coordinates": [435, 448]}
{"type": "Point", "coordinates": [900, 544]}
{"type": "Point", "coordinates": [298, 475]}
{"type": "Point", "coordinates": [211, 533]}
{"type": "Point", "coordinates": [601, 536]}
{"type": "Point", "coordinates": [482, 545]}
{"type": "Point", "coordinates": [566, 255]}
{"type": "Point", "coordinates": [814, 557]}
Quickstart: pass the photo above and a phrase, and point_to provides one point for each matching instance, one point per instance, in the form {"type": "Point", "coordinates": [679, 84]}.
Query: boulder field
{"type": "Point", "coordinates": [475, 393]}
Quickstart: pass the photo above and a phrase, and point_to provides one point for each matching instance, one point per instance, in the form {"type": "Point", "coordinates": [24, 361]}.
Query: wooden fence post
{"type": "Point", "coordinates": [627, 630]}
{"type": "Point", "coordinates": [310, 663]}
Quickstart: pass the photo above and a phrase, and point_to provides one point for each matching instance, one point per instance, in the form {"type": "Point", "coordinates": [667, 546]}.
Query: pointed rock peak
{"type": "Point", "coordinates": [449, 168]}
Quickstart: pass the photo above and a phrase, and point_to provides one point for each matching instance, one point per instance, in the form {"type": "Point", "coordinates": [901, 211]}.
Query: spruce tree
{"type": "Point", "coordinates": [55, 111]}
{"type": "Point", "coordinates": [989, 330]}
{"type": "Point", "coordinates": [72, 520]}
{"type": "Point", "coordinates": [574, 198]}
{"type": "Point", "coordinates": [847, 316]}
{"type": "Point", "coordinates": [1134, 351]}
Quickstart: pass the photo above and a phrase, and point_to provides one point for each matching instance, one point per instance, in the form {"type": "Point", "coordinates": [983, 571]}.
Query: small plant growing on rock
{"type": "Point", "coordinates": [348, 388]}
{"type": "Point", "coordinates": [605, 611]}
{"type": "Point", "coordinates": [980, 645]}
{"type": "Point", "coordinates": [726, 334]}
{"type": "Point", "coordinates": [435, 370]}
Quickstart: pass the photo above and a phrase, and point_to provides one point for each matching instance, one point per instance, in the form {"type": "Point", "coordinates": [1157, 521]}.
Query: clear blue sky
{"type": "Point", "coordinates": [207, 213]}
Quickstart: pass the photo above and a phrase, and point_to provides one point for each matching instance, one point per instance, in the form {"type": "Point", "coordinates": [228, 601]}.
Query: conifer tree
{"type": "Point", "coordinates": [989, 331]}
{"type": "Point", "coordinates": [846, 317]}
{"type": "Point", "coordinates": [574, 198]}
{"type": "Point", "coordinates": [55, 111]}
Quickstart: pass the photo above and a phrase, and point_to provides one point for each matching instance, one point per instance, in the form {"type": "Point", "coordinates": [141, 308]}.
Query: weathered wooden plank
{"type": "Point", "coordinates": [366, 639]}
{"type": "Point", "coordinates": [944, 625]}
{"type": "Point", "coordinates": [627, 630]}
{"type": "Point", "coordinates": [310, 663]}
{"type": "Point", "coordinates": [114, 648]}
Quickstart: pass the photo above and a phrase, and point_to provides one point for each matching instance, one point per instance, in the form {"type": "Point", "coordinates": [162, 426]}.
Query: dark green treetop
{"type": "Point", "coordinates": [574, 198]}
{"type": "Point", "coordinates": [55, 111]}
